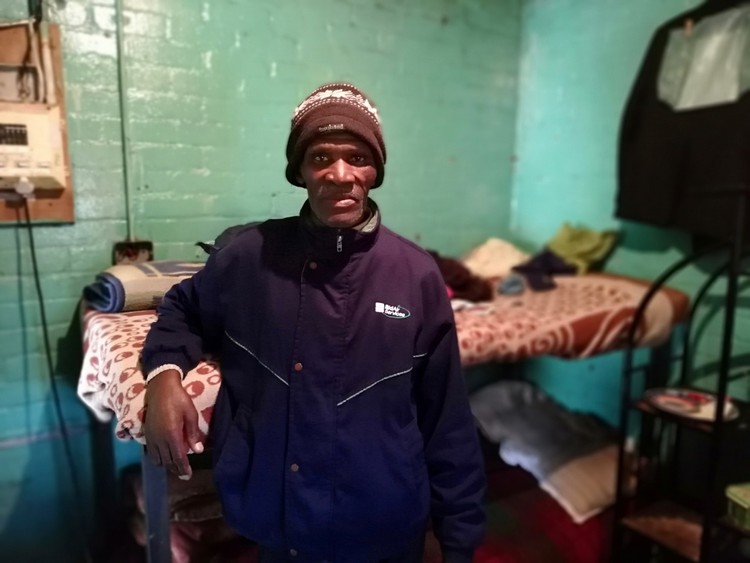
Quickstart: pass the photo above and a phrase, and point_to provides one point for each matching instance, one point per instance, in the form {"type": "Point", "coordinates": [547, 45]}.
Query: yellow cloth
{"type": "Point", "coordinates": [581, 247]}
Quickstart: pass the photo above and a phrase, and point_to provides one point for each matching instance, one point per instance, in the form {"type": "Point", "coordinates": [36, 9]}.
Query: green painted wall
{"type": "Point", "coordinates": [212, 87]}
{"type": "Point", "coordinates": [579, 59]}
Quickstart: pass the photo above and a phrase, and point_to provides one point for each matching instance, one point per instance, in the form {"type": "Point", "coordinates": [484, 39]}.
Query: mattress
{"type": "Point", "coordinates": [582, 317]}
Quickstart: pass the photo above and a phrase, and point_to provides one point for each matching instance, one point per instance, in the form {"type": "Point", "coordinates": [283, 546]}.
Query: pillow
{"type": "Point", "coordinates": [572, 455]}
{"type": "Point", "coordinates": [494, 258]}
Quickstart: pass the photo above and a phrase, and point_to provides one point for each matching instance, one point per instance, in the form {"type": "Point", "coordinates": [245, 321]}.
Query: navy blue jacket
{"type": "Point", "coordinates": [342, 421]}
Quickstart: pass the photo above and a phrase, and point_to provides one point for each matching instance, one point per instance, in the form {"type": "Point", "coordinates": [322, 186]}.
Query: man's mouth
{"type": "Point", "coordinates": [343, 202]}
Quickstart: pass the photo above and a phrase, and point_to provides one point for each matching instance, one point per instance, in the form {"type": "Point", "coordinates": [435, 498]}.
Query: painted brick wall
{"type": "Point", "coordinates": [578, 62]}
{"type": "Point", "coordinates": [211, 88]}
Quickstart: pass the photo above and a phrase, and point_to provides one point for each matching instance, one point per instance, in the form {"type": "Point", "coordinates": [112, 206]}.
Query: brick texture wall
{"type": "Point", "coordinates": [211, 88]}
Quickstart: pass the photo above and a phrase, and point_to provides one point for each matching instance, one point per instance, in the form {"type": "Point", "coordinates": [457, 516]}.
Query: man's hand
{"type": "Point", "coordinates": [171, 425]}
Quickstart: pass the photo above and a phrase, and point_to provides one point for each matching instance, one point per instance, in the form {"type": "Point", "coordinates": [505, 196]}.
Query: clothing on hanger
{"type": "Point", "coordinates": [673, 163]}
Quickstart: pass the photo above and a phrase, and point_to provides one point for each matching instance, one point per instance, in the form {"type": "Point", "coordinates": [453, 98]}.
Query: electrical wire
{"type": "Point", "coordinates": [50, 97]}
{"type": "Point", "coordinates": [122, 87]}
{"type": "Point", "coordinates": [22, 76]}
{"type": "Point", "coordinates": [35, 58]}
{"type": "Point", "coordinates": [35, 9]}
{"type": "Point", "coordinates": [37, 13]}
{"type": "Point", "coordinates": [55, 391]}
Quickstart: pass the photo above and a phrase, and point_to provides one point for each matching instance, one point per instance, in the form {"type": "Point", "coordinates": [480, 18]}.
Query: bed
{"type": "Point", "coordinates": [583, 316]}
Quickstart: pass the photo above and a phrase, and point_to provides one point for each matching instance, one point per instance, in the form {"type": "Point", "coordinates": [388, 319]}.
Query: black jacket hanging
{"type": "Point", "coordinates": [670, 161]}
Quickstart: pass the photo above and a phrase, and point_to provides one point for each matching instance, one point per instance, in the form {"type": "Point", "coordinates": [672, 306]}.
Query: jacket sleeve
{"type": "Point", "coordinates": [451, 445]}
{"type": "Point", "coordinates": [186, 325]}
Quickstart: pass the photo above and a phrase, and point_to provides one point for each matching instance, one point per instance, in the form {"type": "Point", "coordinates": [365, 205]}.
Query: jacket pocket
{"type": "Point", "coordinates": [232, 468]}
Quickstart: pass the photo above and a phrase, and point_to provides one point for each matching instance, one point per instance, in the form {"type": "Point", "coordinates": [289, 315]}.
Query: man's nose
{"type": "Point", "coordinates": [340, 172]}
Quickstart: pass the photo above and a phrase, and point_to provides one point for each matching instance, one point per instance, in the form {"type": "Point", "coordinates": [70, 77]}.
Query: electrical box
{"type": "Point", "coordinates": [31, 147]}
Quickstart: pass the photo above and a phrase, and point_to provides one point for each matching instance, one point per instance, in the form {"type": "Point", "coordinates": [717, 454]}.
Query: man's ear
{"type": "Point", "coordinates": [300, 180]}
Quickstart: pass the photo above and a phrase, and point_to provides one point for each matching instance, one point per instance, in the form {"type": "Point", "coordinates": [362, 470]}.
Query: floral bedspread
{"type": "Point", "coordinates": [583, 316]}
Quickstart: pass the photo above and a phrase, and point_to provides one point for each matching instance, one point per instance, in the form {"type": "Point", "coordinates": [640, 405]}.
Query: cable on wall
{"type": "Point", "coordinates": [34, 8]}
{"type": "Point", "coordinates": [79, 520]}
{"type": "Point", "coordinates": [38, 13]}
{"type": "Point", "coordinates": [122, 87]}
{"type": "Point", "coordinates": [50, 97]}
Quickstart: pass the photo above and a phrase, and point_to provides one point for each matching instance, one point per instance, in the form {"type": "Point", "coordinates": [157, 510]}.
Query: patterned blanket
{"type": "Point", "coordinates": [583, 316]}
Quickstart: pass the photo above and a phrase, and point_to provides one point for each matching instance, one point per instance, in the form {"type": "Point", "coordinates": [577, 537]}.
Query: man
{"type": "Point", "coordinates": [342, 421]}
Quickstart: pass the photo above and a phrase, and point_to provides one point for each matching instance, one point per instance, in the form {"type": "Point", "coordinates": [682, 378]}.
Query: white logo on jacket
{"type": "Point", "coordinates": [392, 311]}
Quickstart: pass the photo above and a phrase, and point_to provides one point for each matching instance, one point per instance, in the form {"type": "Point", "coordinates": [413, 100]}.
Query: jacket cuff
{"type": "Point", "coordinates": [156, 361]}
{"type": "Point", "coordinates": [161, 369]}
{"type": "Point", "coordinates": [458, 555]}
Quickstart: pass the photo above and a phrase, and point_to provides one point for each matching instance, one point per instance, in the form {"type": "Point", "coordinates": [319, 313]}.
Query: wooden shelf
{"type": "Point", "coordinates": [677, 528]}
{"type": "Point", "coordinates": [669, 525]}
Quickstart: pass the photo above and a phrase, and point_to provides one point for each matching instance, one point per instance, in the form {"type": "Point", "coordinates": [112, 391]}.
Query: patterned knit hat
{"type": "Point", "coordinates": [334, 108]}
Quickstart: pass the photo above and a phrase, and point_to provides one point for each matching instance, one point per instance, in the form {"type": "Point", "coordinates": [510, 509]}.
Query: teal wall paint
{"type": "Point", "coordinates": [579, 59]}
{"type": "Point", "coordinates": [212, 87]}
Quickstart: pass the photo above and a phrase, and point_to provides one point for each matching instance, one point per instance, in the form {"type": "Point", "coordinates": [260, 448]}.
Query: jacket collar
{"type": "Point", "coordinates": [322, 242]}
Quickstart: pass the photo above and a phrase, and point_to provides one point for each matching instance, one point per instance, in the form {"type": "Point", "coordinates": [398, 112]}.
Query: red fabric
{"type": "Point", "coordinates": [526, 525]}
{"type": "Point", "coordinates": [531, 527]}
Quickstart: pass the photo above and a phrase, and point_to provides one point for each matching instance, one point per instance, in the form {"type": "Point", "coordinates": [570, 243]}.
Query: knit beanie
{"type": "Point", "coordinates": [330, 109]}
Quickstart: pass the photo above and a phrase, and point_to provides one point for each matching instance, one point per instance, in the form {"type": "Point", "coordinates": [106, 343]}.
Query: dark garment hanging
{"type": "Point", "coordinates": [667, 158]}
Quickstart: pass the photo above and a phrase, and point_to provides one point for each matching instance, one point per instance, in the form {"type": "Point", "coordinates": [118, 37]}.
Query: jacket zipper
{"type": "Point", "coordinates": [339, 241]}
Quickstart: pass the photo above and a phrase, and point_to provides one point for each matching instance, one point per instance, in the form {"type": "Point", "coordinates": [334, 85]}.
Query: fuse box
{"type": "Point", "coordinates": [31, 146]}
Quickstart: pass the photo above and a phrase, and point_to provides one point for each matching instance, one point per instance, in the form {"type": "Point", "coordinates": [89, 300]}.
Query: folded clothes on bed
{"type": "Point", "coordinates": [138, 286]}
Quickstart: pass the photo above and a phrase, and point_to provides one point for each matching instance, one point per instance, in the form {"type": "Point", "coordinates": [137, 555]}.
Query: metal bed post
{"type": "Point", "coordinates": [156, 508]}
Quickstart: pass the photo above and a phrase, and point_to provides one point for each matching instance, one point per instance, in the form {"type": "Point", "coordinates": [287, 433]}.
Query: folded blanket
{"type": "Point", "coordinates": [136, 287]}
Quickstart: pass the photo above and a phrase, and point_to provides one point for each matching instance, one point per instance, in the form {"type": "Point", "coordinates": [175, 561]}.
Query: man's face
{"type": "Point", "coordinates": [338, 172]}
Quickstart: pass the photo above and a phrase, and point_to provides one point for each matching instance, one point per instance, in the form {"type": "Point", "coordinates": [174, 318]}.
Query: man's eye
{"type": "Point", "coordinates": [319, 158]}
{"type": "Point", "coordinates": [358, 160]}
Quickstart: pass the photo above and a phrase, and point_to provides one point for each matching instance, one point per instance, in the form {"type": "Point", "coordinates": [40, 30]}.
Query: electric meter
{"type": "Point", "coordinates": [31, 146]}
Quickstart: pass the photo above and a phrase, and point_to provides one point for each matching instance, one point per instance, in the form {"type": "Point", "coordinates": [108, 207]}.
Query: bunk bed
{"type": "Point", "coordinates": [583, 316]}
